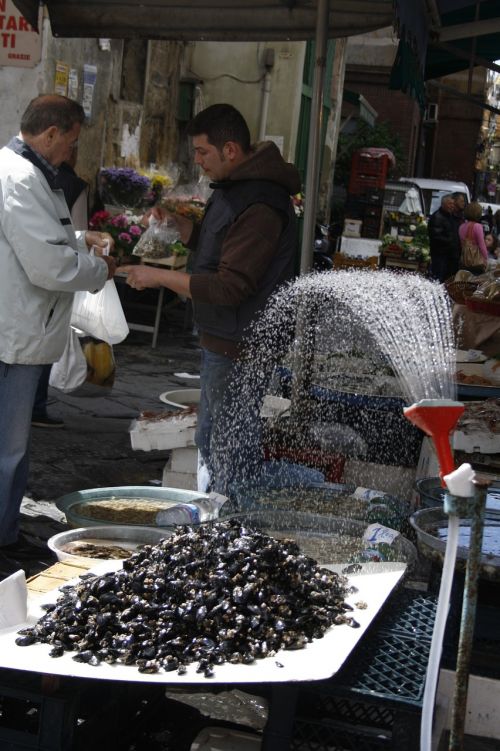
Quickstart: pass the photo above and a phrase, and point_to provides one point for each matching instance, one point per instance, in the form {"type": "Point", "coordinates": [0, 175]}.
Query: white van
{"type": "Point", "coordinates": [434, 190]}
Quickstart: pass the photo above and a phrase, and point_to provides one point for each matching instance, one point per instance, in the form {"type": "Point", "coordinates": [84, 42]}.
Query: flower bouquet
{"type": "Point", "coordinates": [123, 228]}
{"type": "Point", "coordinates": [124, 186]}
{"type": "Point", "coordinates": [187, 200]}
{"type": "Point", "coordinates": [160, 182]}
{"type": "Point", "coordinates": [298, 204]}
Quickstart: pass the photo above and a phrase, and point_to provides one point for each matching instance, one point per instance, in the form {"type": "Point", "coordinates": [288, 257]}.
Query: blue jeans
{"type": "Point", "coordinates": [215, 374]}
{"type": "Point", "coordinates": [228, 433]}
{"type": "Point", "coordinates": [18, 384]}
{"type": "Point", "coordinates": [41, 396]}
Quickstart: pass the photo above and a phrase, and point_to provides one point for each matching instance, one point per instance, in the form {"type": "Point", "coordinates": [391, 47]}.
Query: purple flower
{"type": "Point", "coordinates": [124, 237]}
{"type": "Point", "coordinates": [135, 230]}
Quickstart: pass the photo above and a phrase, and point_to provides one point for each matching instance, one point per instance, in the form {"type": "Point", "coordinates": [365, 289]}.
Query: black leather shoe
{"type": "Point", "coordinates": [8, 566]}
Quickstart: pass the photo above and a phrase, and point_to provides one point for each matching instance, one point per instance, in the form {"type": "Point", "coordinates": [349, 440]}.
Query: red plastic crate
{"type": "Point", "coordinates": [361, 183]}
{"type": "Point", "coordinates": [332, 465]}
{"type": "Point", "coordinates": [369, 165]}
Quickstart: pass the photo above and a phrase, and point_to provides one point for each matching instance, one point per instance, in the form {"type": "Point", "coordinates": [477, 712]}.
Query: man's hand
{"type": "Point", "coordinates": [142, 277]}
{"type": "Point", "coordinates": [111, 264]}
{"type": "Point", "coordinates": [183, 225]}
{"type": "Point", "coordinates": [102, 242]}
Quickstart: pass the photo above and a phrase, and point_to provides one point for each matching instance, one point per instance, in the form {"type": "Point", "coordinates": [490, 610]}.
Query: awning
{"type": "Point", "coordinates": [365, 110]}
{"type": "Point", "coordinates": [467, 35]}
{"type": "Point", "coordinates": [208, 20]}
{"type": "Point", "coordinates": [439, 37]}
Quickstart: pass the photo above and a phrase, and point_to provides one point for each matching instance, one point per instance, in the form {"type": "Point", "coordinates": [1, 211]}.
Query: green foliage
{"type": "Point", "coordinates": [380, 135]}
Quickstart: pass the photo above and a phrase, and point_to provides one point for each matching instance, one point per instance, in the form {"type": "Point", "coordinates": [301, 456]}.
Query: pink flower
{"type": "Point", "coordinates": [135, 230]}
{"type": "Point", "coordinates": [125, 237]}
{"type": "Point", "coordinates": [120, 221]}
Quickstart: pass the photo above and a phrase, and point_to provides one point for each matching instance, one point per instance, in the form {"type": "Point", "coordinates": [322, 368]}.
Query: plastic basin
{"type": "Point", "coordinates": [181, 398]}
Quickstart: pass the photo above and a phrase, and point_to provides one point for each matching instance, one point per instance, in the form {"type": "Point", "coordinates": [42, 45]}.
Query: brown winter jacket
{"type": "Point", "coordinates": [245, 247]}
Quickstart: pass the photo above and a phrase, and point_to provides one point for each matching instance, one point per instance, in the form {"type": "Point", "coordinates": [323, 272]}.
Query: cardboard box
{"type": "Point", "coordinates": [352, 227]}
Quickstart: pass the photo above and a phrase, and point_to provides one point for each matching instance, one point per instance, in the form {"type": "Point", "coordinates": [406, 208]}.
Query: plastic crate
{"type": "Point", "coordinates": [369, 165]}
{"type": "Point", "coordinates": [46, 713]}
{"type": "Point", "coordinates": [375, 701]}
{"type": "Point", "coordinates": [331, 465]}
{"type": "Point", "coordinates": [361, 184]}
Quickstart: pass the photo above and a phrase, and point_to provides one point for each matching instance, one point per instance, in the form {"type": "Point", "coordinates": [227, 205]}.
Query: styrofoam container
{"type": "Point", "coordinates": [181, 398]}
{"type": "Point", "coordinates": [128, 537]}
{"type": "Point", "coordinates": [178, 431]}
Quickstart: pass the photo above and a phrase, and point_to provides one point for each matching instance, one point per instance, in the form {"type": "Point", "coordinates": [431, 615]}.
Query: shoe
{"type": "Point", "coordinates": [44, 421]}
{"type": "Point", "coordinates": [9, 566]}
{"type": "Point", "coordinates": [26, 549]}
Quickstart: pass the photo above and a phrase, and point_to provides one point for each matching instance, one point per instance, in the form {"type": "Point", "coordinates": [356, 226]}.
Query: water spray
{"type": "Point", "coordinates": [466, 498]}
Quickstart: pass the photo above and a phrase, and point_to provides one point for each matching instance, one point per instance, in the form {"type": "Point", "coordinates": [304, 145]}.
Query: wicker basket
{"type": "Point", "coordinates": [342, 261]}
{"type": "Point", "coordinates": [460, 291]}
{"type": "Point", "coordinates": [483, 306]}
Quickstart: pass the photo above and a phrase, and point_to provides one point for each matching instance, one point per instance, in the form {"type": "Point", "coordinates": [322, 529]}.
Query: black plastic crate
{"type": "Point", "coordinates": [69, 714]}
{"type": "Point", "coordinates": [329, 736]}
{"type": "Point", "coordinates": [375, 700]}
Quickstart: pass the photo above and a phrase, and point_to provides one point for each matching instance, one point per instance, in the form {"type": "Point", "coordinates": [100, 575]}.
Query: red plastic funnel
{"type": "Point", "coordinates": [437, 418]}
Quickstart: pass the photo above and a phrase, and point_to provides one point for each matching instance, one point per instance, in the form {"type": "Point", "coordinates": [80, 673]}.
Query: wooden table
{"type": "Point", "coordinates": [175, 263]}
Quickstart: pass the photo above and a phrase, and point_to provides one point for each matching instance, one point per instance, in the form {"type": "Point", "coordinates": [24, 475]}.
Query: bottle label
{"type": "Point", "coordinates": [366, 494]}
{"type": "Point", "coordinates": [375, 534]}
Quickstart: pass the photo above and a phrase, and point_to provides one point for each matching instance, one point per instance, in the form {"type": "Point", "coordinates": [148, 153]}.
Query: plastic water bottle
{"type": "Point", "coordinates": [194, 512]}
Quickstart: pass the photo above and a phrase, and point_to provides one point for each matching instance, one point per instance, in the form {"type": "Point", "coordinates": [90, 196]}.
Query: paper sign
{"type": "Point", "coordinates": [61, 79]}
{"type": "Point", "coordinates": [13, 600]}
{"type": "Point", "coordinates": [20, 44]}
{"type": "Point", "coordinates": [73, 84]}
{"type": "Point", "coordinates": [89, 79]}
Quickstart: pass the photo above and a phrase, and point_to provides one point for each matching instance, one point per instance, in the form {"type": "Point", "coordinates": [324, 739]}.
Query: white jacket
{"type": "Point", "coordinates": [42, 262]}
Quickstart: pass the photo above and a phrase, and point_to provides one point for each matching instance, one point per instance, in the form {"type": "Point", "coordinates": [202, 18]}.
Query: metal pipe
{"type": "Point", "coordinates": [264, 105]}
{"type": "Point", "coordinates": [468, 618]}
{"type": "Point", "coordinates": [314, 144]}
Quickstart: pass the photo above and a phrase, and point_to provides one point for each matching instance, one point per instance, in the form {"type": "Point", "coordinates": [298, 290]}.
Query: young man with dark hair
{"type": "Point", "coordinates": [245, 248]}
{"type": "Point", "coordinates": [42, 263]}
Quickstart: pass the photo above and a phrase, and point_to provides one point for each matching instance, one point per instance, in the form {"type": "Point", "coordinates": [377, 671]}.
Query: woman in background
{"type": "Point", "coordinates": [471, 233]}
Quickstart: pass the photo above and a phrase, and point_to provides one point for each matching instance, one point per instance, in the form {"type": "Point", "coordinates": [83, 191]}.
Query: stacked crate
{"type": "Point", "coordinates": [366, 190]}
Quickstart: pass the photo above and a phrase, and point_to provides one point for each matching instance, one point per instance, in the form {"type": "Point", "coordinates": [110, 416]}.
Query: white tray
{"type": "Point", "coordinates": [321, 659]}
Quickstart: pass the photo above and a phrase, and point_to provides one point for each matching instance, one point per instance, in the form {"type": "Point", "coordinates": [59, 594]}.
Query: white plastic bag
{"type": "Point", "coordinates": [100, 315]}
{"type": "Point", "coordinates": [70, 371]}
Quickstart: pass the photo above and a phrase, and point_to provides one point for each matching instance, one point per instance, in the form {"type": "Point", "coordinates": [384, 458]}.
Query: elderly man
{"type": "Point", "coordinates": [444, 240]}
{"type": "Point", "coordinates": [43, 261]}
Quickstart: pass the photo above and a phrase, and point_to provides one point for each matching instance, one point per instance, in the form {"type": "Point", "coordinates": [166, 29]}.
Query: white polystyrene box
{"type": "Point", "coordinates": [177, 431]}
{"type": "Point", "coordinates": [483, 443]}
{"type": "Point", "coordinates": [184, 459]}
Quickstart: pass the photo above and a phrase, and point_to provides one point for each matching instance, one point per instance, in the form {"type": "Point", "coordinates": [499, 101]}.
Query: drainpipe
{"type": "Point", "coordinates": [314, 144]}
{"type": "Point", "coordinates": [266, 91]}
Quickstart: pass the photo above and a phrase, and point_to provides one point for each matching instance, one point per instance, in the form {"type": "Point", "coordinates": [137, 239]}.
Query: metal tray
{"type": "Point", "coordinates": [73, 504]}
{"type": "Point", "coordinates": [429, 522]}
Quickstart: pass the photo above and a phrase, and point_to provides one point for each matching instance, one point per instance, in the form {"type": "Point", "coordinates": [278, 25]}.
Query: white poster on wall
{"type": "Point", "coordinates": [89, 79]}
{"type": "Point", "coordinates": [20, 44]}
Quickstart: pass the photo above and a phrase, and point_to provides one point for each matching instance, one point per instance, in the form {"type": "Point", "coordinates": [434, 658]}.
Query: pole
{"type": "Point", "coordinates": [314, 144]}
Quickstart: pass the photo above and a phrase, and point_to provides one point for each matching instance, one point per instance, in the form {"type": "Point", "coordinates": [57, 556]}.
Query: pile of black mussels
{"type": "Point", "coordinates": [210, 594]}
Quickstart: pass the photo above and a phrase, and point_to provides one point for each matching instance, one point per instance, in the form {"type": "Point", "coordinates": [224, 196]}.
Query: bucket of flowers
{"type": "Point", "coordinates": [124, 228]}
{"type": "Point", "coordinates": [124, 187]}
